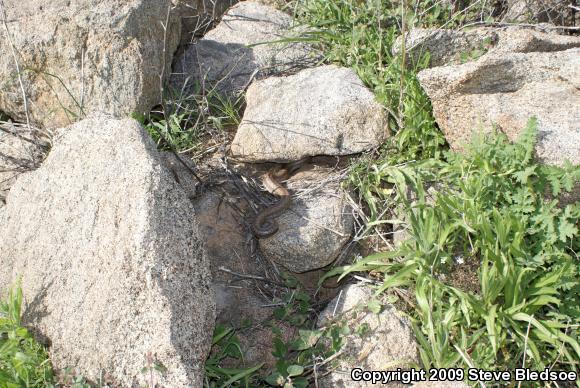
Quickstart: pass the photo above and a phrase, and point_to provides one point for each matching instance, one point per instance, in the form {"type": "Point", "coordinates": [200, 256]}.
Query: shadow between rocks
{"type": "Point", "coordinates": [208, 65]}
{"type": "Point", "coordinates": [35, 311]}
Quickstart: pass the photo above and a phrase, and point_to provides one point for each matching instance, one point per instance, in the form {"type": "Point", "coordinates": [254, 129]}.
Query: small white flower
{"type": "Point", "coordinates": [459, 259]}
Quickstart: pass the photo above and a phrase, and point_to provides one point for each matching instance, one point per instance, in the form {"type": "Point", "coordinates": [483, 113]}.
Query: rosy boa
{"type": "Point", "coordinates": [265, 225]}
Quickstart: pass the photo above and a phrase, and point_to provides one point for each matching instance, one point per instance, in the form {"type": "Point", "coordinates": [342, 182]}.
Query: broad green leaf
{"type": "Point", "coordinates": [295, 370]}
{"type": "Point", "coordinates": [491, 327]}
{"type": "Point", "coordinates": [529, 319]}
{"type": "Point", "coordinates": [241, 375]}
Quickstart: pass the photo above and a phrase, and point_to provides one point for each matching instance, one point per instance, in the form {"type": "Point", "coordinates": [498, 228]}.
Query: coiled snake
{"type": "Point", "coordinates": [264, 224]}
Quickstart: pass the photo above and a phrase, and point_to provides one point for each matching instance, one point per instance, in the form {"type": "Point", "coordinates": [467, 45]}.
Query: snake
{"type": "Point", "coordinates": [264, 224]}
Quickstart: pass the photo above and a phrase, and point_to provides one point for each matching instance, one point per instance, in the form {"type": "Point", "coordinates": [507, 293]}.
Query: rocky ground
{"type": "Point", "coordinates": [125, 249]}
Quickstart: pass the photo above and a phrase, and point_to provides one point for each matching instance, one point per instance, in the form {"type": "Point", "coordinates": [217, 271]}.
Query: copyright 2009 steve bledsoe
{"type": "Point", "coordinates": [408, 376]}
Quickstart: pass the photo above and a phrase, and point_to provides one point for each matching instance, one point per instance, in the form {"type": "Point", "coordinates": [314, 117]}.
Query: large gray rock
{"type": "Point", "coordinates": [386, 343]}
{"type": "Point", "coordinates": [77, 57]}
{"type": "Point", "coordinates": [505, 90]}
{"type": "Point", "coordinates": [222, 60]}
{"type": "Point", "coordinates": [315, 228]}
{"type": "Point", "coordinates": [21, 149]}
{"type": "Point", "coordinates": [460, 46]}
{"type": "Point", "coordinates": [322, 111]}
{"type": "Point", "coordinates": [111, 261]}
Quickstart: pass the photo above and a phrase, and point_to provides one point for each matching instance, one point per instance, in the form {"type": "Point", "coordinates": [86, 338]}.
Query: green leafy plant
{"type": "Point", "coordinates": [296, 357]}
{"type": "Point", "coordinates": [23, 361]}
{"type": "Point", "coordinates": [152, 369]}
{"type": "Point", "coordinates": [188, 120]}
{"type": "Point", "coordinates": [310, 348]}
{"type": "Point", "coordinates": [453, 14]}
{"type": "Point", "coordinates": [226, 346]}
{"type": "Point", "coordinates": [520, 307]}
{"type": "Point", "coordinates": [69, 377]}
{"type": "Point", "coordinates": [476, 53]}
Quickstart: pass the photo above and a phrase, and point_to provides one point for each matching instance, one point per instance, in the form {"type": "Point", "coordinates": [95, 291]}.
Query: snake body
{"type": "Point", "coordinates": [264, 224]}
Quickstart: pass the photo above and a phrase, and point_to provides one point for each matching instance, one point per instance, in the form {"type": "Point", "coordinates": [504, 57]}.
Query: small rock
{"type": "Point", "coordinates": [224, 60]}
{"type": "Point", "coordinates": [322, 111]}
{"type": "Point", "coordinates": [316, 226]}
{"type": "Point", "coordinates": [525, 40]}
{"type": "Point", "coordinates": [111, 261]}
{"type": "Point", "coordinates": [386, 343]}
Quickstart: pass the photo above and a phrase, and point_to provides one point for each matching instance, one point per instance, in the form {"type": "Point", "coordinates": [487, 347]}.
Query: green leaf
{"type": "Point", "coordinates": [567, 230]}
{"type": "Point", "coordinates": [280, 312]}
{"type": "Point", "coordinates": [241, 375]}
{"type": "Point", "coordinates": [374, 306]}
{"type": "Point", "coordinates": [275, 379]}
{"type": "Point", "coordinates": [219, 333]}
{"type": "Point", "coordinates": [544, 300]}
{"type": "Point", "coordinates": [524, 175]}
{"type": "Point", "coordinates": [307, 339]}
{"type": "Point", "coordinates": [295, 370]}
{"type": "Point", "coordinates": [159, 367]}
{"type": "Point", "coordinates": [529, 319]}
{"type": "Point", "coordinates": [280, 348]}
{"type": "Point", "coordinates": [300, 382]}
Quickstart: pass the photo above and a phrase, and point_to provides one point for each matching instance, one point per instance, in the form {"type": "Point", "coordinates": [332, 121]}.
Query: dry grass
{"type": "Point", "coordinates": [22, 149]}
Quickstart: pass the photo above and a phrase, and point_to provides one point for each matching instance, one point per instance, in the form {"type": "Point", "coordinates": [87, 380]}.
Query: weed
{"type": "Point", "coordinates": [188, 121]}
{"type": "Point", "coordinates": [152, 369]}
{"type": "Point", "coordinates": [490, 207]}
{"type": "Point", "coordinates": [297, 358]}
{"type": "Point", "coordinates": [23, 361]}
{"type": "Point", "coordinates": [451, 14]}
{"type": "Point", "coordinates": [476, 53]}
{"type": "Point", "coordinates": [69, 377]}
{"type": "Point", "coordinates": [309, 350]}
{"type": "Point", "coordinates": [226, 346]}
{"type": "Point", "coordinates": [521, 306]}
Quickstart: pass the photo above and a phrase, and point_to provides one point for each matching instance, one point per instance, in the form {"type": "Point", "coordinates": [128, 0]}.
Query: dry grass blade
{"type": "Point", "coordinates": [16, 62]}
